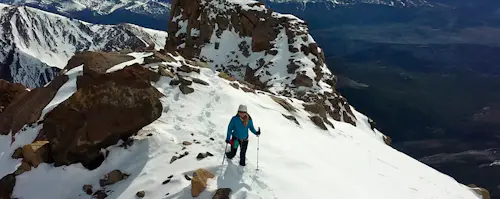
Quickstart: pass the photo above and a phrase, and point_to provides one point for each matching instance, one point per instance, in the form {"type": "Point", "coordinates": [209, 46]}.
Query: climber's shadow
{"type": "Point", "coordinates": [232, 178]}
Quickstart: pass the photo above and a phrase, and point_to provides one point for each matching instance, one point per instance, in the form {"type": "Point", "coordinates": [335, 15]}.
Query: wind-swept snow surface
{"type": "Point", "coordinates": [295, 160]}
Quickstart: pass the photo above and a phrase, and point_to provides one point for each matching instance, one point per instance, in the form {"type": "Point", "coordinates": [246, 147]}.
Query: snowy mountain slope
{"type": "Point", "coordinates": [295, 161]}
{"type": "Point", "coordinates": [45, 39]}
{"type": "Point", "coordinates": [153, 7]}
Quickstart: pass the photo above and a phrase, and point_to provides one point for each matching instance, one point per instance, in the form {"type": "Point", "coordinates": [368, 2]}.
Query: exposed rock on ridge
{"type": "Point", "coordinates": [272, 51]}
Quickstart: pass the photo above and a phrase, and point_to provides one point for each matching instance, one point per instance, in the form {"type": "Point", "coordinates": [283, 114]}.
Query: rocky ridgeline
{"type": "Point", "coordinates": [272, 51]}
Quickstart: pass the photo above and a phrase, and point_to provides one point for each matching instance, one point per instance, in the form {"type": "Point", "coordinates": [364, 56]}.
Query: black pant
{"type": "Point", "coordinates": [243, 151]}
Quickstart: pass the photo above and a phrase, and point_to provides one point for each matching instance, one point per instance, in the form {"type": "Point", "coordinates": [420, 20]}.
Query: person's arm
{"type": "Point", "coordinates": [250, 125]}
{"type": "Point", "coordinates": [230, 128]}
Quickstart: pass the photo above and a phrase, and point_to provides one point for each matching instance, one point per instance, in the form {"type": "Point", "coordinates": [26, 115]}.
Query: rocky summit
{"type": "Point", "coordinates": [272, 51]}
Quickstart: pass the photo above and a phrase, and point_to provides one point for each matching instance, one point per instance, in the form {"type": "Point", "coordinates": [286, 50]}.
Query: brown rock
{"type": "Point", "coordinates": [283, 103]}
{"type": "Point", "coordinates": [185, 81]}
{"type": "Point", "coordinates": [18, 153]}
{"type": "Point", "coordinates": [174, 82]}
{"type": "Point", "coordinates": [88, 189]}
{"type": "Point", "coordinates": [318, 121]}
{"type": "Point", "coordinates": [94, 64]}
{"type": "Point", "coordinates": [199, 181]}
{"type": "Point", "coordinates": [112, 178]}
{"type": "Point", "coordinates": [36, 153]}
{"type": "Point", "coordinates": [222, 193]}
{"type": "Point", "coordinates": [140, 194]}
{"type": "Point", "coordinates": [387, 140]}
{"type": "Point", "coordinates": [302, 80]}
{"type": "Point", "coordinates": [186, 89]}
{"type": "Point", "coordinates": [291, 118]}
{"type": "Point", "coordinates": [199, 81]}
{"type": "Point", "coordinates": [27, 108]}
{"type": "Point", "coordinates": [7, 184]}
{"type": "Point", "coordinates": [484, 193]}
{"type": "Point", "coordinates": [22, 168]}
{"type": "Point", "coordinates": [164, 71]}
{"type": "Point", "coordinates": [235, 85]}
{"type": "Point", "coordinates": [292, 67]}
{"type": "Point", "coordinates": [186, 143]}
{"type": "Point", "coordinates": [166, 58]}
{"type": "Point", "coordinates": [186, 69]}
{"type": "Point", "coordinates": [174, 158]}
{"type": "Point", "coordinates": [9, 92]}
{"type": "Point", "coordinates": [114, 106]}
{"type": "Point", "coordinates": [315, 108]}
{"type": "Point", "coordinates": [248, 90]}
{"type": "Point", "coordinates": [100, 194]}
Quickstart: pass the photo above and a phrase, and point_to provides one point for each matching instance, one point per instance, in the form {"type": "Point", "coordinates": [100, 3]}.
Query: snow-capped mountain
{"type": "Point", "coordinates": [153, 7]}
{"type": "Point", "coordinates": [35, 40]}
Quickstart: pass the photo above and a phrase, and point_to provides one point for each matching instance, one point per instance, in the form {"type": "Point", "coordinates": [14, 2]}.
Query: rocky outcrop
{"type": "Point", "coordinates": [111, 107]}
{"type": "Point", "coordinates": [28, 107]}
{"type": "Point", "coordinates": [94, 64]}
{"type": "Point", "coordinates": [8, 92]}
{"type": "Point", "coordinates": [484, 193]}
{"type": "Point", "coordinates": [222, 193]}
{"type": "Point", "coordinates": [200, 29]}
{"type": "Point", "coordinates": [7, 184]}
{"type": "Point", "coordinates": [199, 181]}
{"type": "Point", "coordinates": [112, 178]}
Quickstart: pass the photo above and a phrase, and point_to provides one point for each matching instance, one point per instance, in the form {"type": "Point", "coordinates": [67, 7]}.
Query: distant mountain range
{"type": "Point", "coordinates": [35, 43]}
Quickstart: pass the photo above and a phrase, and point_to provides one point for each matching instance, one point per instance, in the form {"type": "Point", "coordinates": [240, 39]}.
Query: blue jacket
{"type": "Point", "coordinates": [237, 129]}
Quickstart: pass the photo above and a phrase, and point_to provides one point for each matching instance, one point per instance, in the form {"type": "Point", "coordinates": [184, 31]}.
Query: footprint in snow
{"type": "Point", "coordinates": [207, 114]}
{"type": "Point", "coordinates": [176, 96]}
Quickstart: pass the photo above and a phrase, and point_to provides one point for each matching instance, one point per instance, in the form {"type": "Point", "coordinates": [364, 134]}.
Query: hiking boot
{"type": "Point", "coordinates": [242, 164]}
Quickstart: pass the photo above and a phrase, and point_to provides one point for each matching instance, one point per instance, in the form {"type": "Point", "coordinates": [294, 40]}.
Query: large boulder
{"type": "Point", "coordinates": [9, 92]}
{"type": "Point", "coordinates": [94, 64]}
{"type": "Point", "coordinates": [199, 181]}
{"type": "Point", "coordinates": [27, 108]}
{"type": "Point", "coordinates": [113, 106]}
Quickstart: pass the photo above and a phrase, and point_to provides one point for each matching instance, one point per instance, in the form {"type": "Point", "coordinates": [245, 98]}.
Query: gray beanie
{"type": "Point", "coordinates": [242, 108]}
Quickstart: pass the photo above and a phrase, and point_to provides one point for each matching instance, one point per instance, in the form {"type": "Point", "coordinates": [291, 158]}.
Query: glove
{"type": "Point", "coordinates": [258, 133]}
{"type": "Point", "coordinates": [227, 141]}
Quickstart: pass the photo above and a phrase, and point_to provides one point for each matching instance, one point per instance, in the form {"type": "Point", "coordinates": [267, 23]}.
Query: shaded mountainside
{"type": "Point", "coordinates": [146, 13]}
{"type": "Point", "coordinates": [36, 44]}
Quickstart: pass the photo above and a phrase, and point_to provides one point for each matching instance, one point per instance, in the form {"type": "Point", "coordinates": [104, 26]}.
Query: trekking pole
{"type": "Point", "coordinates": [224, 154]}
{"type": "Point", "coordinates": [258, 147]}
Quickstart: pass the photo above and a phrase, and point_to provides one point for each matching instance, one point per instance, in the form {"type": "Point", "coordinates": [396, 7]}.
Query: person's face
{"type": "Point", "coordinates": [242, 114]}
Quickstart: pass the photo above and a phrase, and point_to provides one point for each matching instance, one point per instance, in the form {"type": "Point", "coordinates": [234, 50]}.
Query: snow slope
{"type": "Point", "coordinates": [295, 161]}
{"type": "Point", "coordinates": [36, 40]}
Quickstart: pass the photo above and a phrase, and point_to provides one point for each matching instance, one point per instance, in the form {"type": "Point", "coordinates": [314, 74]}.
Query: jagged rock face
{"type": "Point", "coordinates": [246, 40]}
{"type": "Point", "coordinates": [27, 109]}
{"type": "Point", "coordinates": [8, 92]}
{"type": "Point", "coordinates": [36, 44]}
{"type": "Point", "coordinates": [111, 107]}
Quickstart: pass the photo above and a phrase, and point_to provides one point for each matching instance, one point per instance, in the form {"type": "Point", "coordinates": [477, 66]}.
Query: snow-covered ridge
{"type": "Point", "coordinates": [49, 40]}
{"type": "Point", "coordinates": [309, 163]}
{"type": "Point", "coordinates": [100, 7]}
